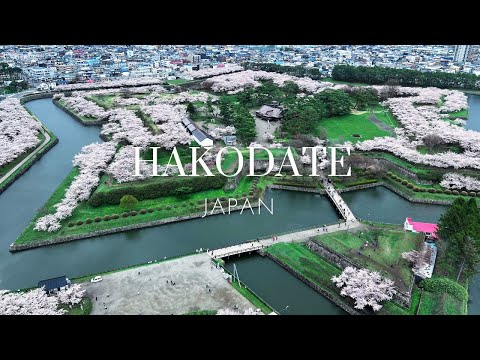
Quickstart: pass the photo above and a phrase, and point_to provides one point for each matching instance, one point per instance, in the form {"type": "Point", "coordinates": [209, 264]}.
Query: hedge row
{"type": "Point", "coordinates": [163, 188]}
{"type": "Point", "coordinates": [361, 182]}
{"type": "Point", "coordinates": [445, 285]}
{"type": "Point", "coordinates": [431, 190]}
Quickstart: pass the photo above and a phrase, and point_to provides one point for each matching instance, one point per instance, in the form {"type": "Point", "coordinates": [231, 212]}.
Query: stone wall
{"type": "Point", "coordinates": [61, 239]}
{"type": "Point", "coordinates": [350, 310]}
{"type": "Point", "coordinates": [360, 187]}
{"type": "Point", "coordinates": [296, 188]}
{"type": "Point", "coordinates": [401, 297]}
{"type": "Point", "coordinates": [405, 172]}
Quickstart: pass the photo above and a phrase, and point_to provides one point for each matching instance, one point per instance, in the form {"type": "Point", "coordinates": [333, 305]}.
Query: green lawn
{"type": "Point", "coordinates": [177, 81]}
{"type": "Point", "coordinates": [252, 297]}
{"type": "Point", "coordinates": [319, 271]}
{"type": "Point", "coordinates": [169, 207]}
{"type": "Point", "coordinates": [458, 114]}
{"type": "Point", "coordinates": [440, 304]}
{"type": "Point", "coordinates": [105, 101]}
{"type": "Point", "coordinates": [342, 128]}
{"type": "Point", "coordinates": [385, 115]}
{"type": "Point", "coordinates": [84, 308]}
{"type": "Point", "coordinates": [385, 258]}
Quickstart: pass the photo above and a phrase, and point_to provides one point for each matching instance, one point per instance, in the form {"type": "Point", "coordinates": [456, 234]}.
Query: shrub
{"type": "Point", "coordinates": [445, 285]}
{"type": "Point", "coordinates": [416, 189]}
{"type": "Point", "coordinates": [168, 207]}
{"type": "Point", "coordinates": [143, 211]}
{"type": "Point", "coordinates": [192, 203]}
{"type": "Point", "coordinates": [223, 198]}
{"type": "Point", "coordinates": [125, 214]}
{"type": "Point", "coordinates": [244, 195]}
{"type": "Point", "coordinates": [398, 179]}
{"type": "Point", "coordinates": [88, 221]}
{"type": "Point", "coordinates": [472, 193]}
{"type": "Point", "coordinates": [464, 193]}
{"type": "Point", "coordinates": [128, 201]}
{"type": "Point", "coordinates": [159, 208]}
{"type": "Point", "coordinates": [107, 217]}
{"type": "Point", "coordinates": [98, 219]}
{"type": "Point", "coordinates": [184, 204]}
{"type": "Point", "coordinates": [133, 213]}
{"type": "Point", "coordinates": [389, 173]}
{"type": "Point", "coordinates": [115, 216]}
{"type": "Point", "coordinates": [478, 193]}
{"type": "Point", "coordinates": [404, 182]}
{"type": "Point", "coordinates": [165, 187]}
{"type": "Point", "coordinates": [79, 222]}
{"type": "Point", "coordinates": [455, 192]}
{"type": "Point", "coordinates": [150, 210]}
{"type": "Point", "coordinates": [70, 224]}
{"type": "Point", "coordinates": [449, 192]}
{"type": "Point", "coordinates": [410, 185]}
{"type": "Point", "coordinates": [432, 191]}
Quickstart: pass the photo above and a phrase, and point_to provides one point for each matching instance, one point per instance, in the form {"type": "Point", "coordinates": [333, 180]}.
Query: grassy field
{"type": "Point", "coordinates": [425, 195]}
{"type": "Point", "coordinates": [440, 304]}
{"type": "Point", "coordinates": [105, 101]}
{"type": "Point", "coordinates": [384, 258]}
{"type": "Point", "coordinates": [458, 114]}
{"type": "Point", "coordinates": [163, 208]}
{"type": "Point", "coordinates": [254, 299]}
{"type": "Point", "coordinates": [177, 81]}
{"type": "Point", "coordinates": [342, 128]}
{"type": "Point", "coordinates": [84, 308]}
{"type": "Point", "coordinates": [320, 272]}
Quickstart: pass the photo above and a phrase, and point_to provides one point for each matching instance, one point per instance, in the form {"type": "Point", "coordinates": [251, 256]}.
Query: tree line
{"type": "Point", "coordinates": [377, 75]}
{"type": "Point", "coordinates": [300, 71]}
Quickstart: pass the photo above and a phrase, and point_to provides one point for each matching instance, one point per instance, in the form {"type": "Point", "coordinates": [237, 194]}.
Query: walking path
{"type": "Point", "coordinates": [291, 237]}
{"type": "Point", "coordinates": [20, 164]}
{"type": "Point", "coordinates": [338, 201]}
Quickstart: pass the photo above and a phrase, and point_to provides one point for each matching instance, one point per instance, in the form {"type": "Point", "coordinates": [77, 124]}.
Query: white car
{"type": "Point", "coordinates": [96, 279]}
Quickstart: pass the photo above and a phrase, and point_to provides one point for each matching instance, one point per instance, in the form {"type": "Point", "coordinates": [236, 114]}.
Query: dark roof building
{"type": "Point", "coordinates": [270, 112]}
{"type": "Point", "coordinates": [54, 283]}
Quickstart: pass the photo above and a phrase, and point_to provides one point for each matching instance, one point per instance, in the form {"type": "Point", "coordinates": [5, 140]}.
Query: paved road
{"type": "Point", "coordinates": [19, 165]}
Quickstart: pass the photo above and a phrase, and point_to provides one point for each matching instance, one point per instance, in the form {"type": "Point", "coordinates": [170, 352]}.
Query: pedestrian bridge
{"type": "Point", "coordinates": [237, 249]}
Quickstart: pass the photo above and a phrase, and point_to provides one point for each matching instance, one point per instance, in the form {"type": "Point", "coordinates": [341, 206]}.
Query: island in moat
{"type": "Point", "coordinates": [362, 266]}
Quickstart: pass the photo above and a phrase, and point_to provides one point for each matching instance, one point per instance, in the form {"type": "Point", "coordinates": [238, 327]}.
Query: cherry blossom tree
{"type": "Point", "coordinates": [91, 162]}
{"type": "Point", "coordinates": [33, 302]}
{"type": "Point", "coordinates": [207, 72]}
{"type": "Point", "coordinates": [85, 107]}
{"type": "Point", "coordinates": [459, 181]}
{"type": "Point", "coordinates": [367, 288]}
{"type": "Point", "coordinates": [111, 84]}
{"type": "Point", "coordinates": [18, 130]}
{"type": "Point", "coordinates": [72, 295]}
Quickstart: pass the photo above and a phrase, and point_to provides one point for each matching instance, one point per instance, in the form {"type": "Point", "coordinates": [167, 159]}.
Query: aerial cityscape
{"type": "Point", "coordinates": [240, 180]}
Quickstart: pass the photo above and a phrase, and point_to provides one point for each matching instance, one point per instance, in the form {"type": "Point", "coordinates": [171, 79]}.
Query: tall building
{"type": "Point", "coordinates": [461, 53]}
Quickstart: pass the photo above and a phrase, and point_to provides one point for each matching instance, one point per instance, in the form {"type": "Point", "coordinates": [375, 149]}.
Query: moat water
{"type": "Point", "coordinates": [293, 211]}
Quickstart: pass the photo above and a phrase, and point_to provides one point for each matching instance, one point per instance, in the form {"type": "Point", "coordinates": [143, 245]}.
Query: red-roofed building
{"type": "Point", "coordinates": [430, 230]}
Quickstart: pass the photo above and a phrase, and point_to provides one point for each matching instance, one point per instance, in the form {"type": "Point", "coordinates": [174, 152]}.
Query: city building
{"type": "Point", "coordinates": [461, 53]}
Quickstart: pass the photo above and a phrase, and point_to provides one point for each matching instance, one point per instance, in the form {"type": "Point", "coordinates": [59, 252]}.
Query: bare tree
{"type": "Point", "coordinates": [389, 90]}
{"type": "Point", "coordinates": [432, 141]}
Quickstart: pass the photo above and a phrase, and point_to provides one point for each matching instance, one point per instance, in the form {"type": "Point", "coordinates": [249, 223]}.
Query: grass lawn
{"type": "Point", "coordinates": [385, 258]}
{"type": "Point", "coordinates": [342, 128]}
{"type": "Point", "coordinates": [425, 195]}
{"type": "Point", "coordinates": [177, 81]}
{"type": "Point", "coordinates": [105, 101]}
{"type": "Point", "coordinates": [84, 308]}
{"type": "Point", "coordinates": [319, 271]}
{"type": "Point", "coordinates": [458, 114]}
{"type": "Point", "coordinates": [385, 115]}
{"type": "Point", "coordinates": [169, 207]}
{"type": "Point", "coordinates": [252, 297]}
{"type": "Point", "coordinates": [440, 304]}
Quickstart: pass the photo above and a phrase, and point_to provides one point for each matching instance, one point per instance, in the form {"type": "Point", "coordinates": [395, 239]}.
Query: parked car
{"type": "Point", "coordinates": [96, 279]}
